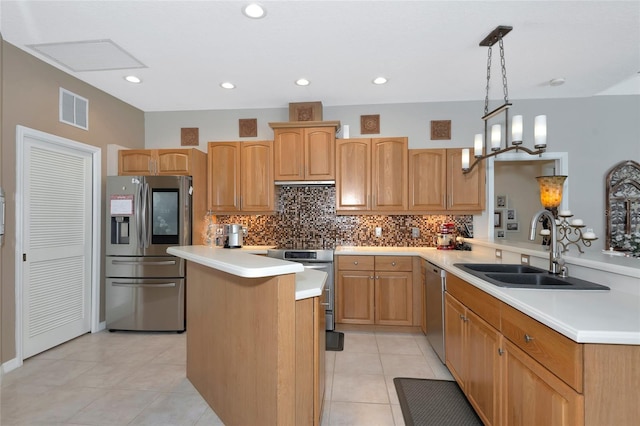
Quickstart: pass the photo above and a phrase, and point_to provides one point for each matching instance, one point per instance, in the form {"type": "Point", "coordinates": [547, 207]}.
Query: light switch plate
{"type": "Point", "coordinates": [499, 253]}
{"type": "Point", "coordinates": [415, 232]}
{"type": "Point", "coordinates": [378, 231]}
{"type": "Point", "coordinates": [524, 259]}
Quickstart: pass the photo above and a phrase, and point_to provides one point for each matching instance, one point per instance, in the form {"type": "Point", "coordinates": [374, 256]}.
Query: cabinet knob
{"type": "Point", "coordinates": [393, 263]}
{"type": "Point", "coordinates": [355, 262]}
{"type": "Point", "coordinates": [527, 338]}
{"type": "Point", "coordinates": [500, 351]}
{"type": "Point", "coordinates": [371, 277]}
{"type": "Point", "coordinates": [377, 277]}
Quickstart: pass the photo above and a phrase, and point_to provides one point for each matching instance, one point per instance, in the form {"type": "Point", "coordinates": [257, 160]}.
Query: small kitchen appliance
{"type": "Point", "coordinates": [233, 234]}
{"type": "Point", "coordinates": [446, 239]}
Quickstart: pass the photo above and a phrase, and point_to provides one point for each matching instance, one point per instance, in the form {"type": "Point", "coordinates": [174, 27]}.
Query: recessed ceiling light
{"type": "Point", "coordinates": [133, 79]}
{"type": "Point", "coordinates": [227, 85]}
{"type": "Point", "coordinates": [557, 82]}
{"type": "Point", "coordinates": [254, 11]}
{"type": "Point", "coordinates": [303, 82]}
{"type": "Point", "coordinates": [379, 80]}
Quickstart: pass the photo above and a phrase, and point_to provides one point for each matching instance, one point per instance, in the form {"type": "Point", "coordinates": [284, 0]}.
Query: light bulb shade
{"type": "Point", "coordinates": [496, 137]}
{"type": "Point", "coordinates": [551, 190]}
{"type": "Point", "coordinates": [477, 145]}
{"type": "Point", "coordinates": [465, 159]}
{"type": "Point", "coordinates": [540, 131]}
{"type": "Point", "coordinates": [516, 130]}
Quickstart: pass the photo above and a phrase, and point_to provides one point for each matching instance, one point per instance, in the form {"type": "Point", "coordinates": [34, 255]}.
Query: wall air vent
{"type": "Point", "coordinates": [74, 109]}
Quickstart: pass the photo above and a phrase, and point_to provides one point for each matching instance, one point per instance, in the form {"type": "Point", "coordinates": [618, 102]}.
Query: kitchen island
{"type": "Point", "coordinates": [255, 336]}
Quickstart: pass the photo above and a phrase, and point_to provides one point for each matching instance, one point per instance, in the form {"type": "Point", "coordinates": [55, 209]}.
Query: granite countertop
{"type": "Point", "coordinates": [585, 316]}
{"type": "Point", "coordinates": [244, 263]}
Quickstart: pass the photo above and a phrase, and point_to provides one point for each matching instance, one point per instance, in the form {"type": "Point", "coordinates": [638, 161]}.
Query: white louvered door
{"type": "Point", "coordinates": [57, 230]}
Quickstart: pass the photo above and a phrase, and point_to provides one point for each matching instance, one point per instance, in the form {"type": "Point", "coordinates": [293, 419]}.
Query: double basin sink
{"type": "Point", "coordinates": [523, 276]}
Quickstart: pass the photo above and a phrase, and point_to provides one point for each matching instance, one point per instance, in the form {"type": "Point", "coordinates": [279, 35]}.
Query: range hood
{"type": "Point", "coordinates": [305, 182]}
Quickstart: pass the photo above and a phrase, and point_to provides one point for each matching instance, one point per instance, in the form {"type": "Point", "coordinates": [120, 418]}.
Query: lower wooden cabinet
{"type": "Point", "coordinates": [473, 349]}
{"type": "Point", "coordinates": [513, 369]}
{"type": "Point", "coordinates": [375, 290]}
{"type": "Point", "coordinates": [534, 396]}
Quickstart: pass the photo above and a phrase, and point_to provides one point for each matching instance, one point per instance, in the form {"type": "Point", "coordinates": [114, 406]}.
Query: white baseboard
{"type": "Point", "coordinates": [11, 365]}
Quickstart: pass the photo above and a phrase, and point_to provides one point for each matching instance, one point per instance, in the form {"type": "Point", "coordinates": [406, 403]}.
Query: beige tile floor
{"type": "Point", "coordinates": [139, 379]}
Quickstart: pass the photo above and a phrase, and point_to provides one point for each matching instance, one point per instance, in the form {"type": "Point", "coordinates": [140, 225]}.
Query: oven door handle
{"type": "Point", "coordinates": [315, 266]}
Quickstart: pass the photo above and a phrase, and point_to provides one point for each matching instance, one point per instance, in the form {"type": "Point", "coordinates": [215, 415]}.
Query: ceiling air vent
{"type": "Point", "coordinates": [74, 109]}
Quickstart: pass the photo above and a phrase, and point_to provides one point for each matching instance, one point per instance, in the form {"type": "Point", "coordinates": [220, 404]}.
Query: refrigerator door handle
{"type": "Point", "coordinates": [126, 284]}
{"type": "Point", "coordinates": [139, 224]}
{"type": "Point", "coordinates": [146, 234]}
{"type": "Point", "coordinates": [133, 262]}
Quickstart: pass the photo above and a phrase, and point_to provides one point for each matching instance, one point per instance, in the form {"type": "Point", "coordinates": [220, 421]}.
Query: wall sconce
{"type": "Point", "coordinates": [495, 136]}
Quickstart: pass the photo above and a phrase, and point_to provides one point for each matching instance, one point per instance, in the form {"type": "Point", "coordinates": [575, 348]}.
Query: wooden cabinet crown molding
{"type": "Point", "coordinates": [303, 124]}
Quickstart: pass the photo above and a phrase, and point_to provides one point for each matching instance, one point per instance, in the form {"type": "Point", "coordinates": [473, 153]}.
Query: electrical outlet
{"type": "Point", "coordinates": [415, 232]}
{"type": "Point", "coordinates": [499, 253]}
{"type": "Point", "coordinates": [378, 231]}
{"type": "Point", "coordinates": [524, 259]}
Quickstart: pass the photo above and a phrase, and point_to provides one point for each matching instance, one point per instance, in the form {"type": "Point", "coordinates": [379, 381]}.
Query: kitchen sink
{"type": "Point", "coordinates": [499, 267]}
{"type": "Point", "coordinates": [523, 276]}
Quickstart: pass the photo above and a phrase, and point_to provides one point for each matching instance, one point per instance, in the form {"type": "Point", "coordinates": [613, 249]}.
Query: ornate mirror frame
{"type": "Point", "coordinates": [622, 202]}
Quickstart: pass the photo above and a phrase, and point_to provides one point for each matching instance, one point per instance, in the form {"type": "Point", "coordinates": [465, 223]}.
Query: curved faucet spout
{"type": "Point", "coordinates": [555, 261]}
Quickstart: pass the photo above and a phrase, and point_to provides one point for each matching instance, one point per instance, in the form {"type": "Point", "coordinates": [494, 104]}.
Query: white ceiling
{"type": "Point", "coordinates": [427, 49]}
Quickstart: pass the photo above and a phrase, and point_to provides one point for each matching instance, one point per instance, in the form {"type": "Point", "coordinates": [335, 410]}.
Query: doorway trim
{"type": "Point", "coordinates": [95, 152]}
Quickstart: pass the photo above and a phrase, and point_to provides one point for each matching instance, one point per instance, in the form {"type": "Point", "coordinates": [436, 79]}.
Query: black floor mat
{"type": "Point", "coordinates": [335, 341]}
{"type": "Point", "coordinates": [427, 402]}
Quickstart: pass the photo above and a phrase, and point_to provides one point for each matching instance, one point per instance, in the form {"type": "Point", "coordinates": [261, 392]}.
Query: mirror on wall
{"type": "Point", "coordinates": [516, 194]}
{"type": "Point", "coordinates": [622, 203]}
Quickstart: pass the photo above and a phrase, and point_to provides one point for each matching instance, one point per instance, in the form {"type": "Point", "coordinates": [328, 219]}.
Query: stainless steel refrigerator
{"type": "Point", "coordinates": [145, 286]}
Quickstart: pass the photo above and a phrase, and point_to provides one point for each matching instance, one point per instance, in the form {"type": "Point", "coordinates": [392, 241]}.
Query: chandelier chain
{"type": "Point", "coordinates": [504, 71]}
{"type": "Point", "coordinates": [486, 98]}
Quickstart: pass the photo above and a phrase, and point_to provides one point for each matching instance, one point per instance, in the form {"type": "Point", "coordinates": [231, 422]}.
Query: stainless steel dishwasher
{"type": "Point", "coordinates": [434, 294]}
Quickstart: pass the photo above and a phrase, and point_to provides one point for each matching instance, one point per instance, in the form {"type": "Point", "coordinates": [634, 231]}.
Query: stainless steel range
{"type": "Point", "coordinates": [321, 260]}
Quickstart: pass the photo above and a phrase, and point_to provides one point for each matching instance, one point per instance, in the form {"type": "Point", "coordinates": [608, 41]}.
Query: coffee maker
{"type": "Point", "coordinates": [446, 239]}
{"type": "Point", "coordinates": [233, 234]}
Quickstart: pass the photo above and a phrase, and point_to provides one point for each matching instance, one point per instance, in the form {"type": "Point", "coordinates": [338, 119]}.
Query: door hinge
{"type": "Point", "coordinates": [24, 257]}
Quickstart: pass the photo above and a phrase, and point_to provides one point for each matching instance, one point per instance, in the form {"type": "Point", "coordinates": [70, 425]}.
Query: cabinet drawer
{"type": "Point", "coordinates": [561, 355]}
{"type": "Point", "coordinates": [355, 263]}
{"type": "Point", "coordinates": [394, 263]}
{"type": "Point", "coordinates": [484, 305]}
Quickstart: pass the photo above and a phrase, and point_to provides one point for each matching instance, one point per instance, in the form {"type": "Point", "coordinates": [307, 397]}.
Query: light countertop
{"type": "Point", "coordinates": [244, 263]}
{"type": "Point", "coordinates": [585, 316]}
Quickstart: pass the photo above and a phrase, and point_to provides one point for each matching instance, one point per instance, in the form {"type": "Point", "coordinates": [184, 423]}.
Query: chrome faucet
{"type": "Point", "coordinates": [556, 262]}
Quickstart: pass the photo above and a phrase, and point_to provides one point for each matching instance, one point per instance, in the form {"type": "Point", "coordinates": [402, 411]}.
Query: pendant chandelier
{"type": "Point", "coordinates": [494, 136]}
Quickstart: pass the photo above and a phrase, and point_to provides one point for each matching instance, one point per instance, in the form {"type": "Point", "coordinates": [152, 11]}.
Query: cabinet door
{"type": "Point", "coordinates": [224, 176]}
{"type": "Point", "coordinates": [173, 162]}
{"type": "Point", "coordinates": [454, 332]}
{"type": "Point", "coordinates": [465, 191]}
{"type": "Point", "coordinates": [288, 147]}
{"type": "Point", "coordinates": [134, 162]}
{"type": "Point", "coordinates": [483, 369]}
{"type": "Point", "coordinates": [393, 298]}
{"type": "Point", "coordinates": [534, 396]}
{"type": "Point", "coordinates": [320, 153]}
{"type": "Point", "coordinates": [355, 297]}
{"type": "Point", "coordinates": [389, 174]}
{"type": "Point", "coordinates": [353, 174]}
{"type": "Point", "coordinates": [427, 179]}
{"type": "Point", "coordinates": [257, 187]}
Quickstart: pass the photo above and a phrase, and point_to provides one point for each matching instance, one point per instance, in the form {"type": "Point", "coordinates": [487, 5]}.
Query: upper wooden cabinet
{"type": "Point", "coordinates": [135, 162]}
{"type": "Point", "coordinates": [371, 175]}
{"type": "Point", "coordinates": [437, 184]}
{"type": "Point", "coordinates": [241, 177]}
{"type": "Point", "coordinates": [172, 162]}
{"type": "Point", "coordinates": [304, 152]}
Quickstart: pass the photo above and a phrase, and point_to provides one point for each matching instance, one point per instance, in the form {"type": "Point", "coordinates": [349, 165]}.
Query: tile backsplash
{"type": "Point", "coordinates": [306, 218]}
